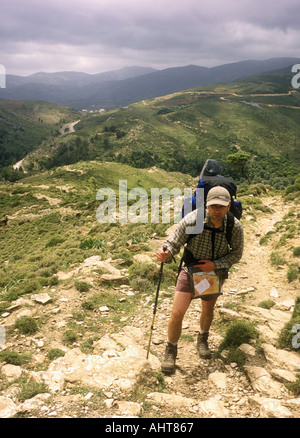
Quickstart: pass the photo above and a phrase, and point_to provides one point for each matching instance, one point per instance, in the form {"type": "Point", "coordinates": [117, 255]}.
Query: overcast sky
{"type": "Point", "coordinates": [93, 36]}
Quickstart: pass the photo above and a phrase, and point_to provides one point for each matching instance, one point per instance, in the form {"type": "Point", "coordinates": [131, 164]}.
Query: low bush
{"type": "Point", "coordinates": [55, 353]}
{"type": "Point", "coordinates": [14, 358]}
{"type": "Point", "coordinates": [91, 243]}
{"type": "Point", "coordinates": [294, 387]}
{"type": "Point", "coordinates": [296, 251]}
{"type": "Point", "coordinates": [292, 273]}
{"type": "Point", "coordinates": [82, 286]}
{"type": "Point", "coordinates": [54, 241]}
{"type": "Point", "coordinates": [26, 325]}
{"type": "Point", "coordinates": [30, 388]}
{"type": "Point", "coordinates": [239, 332]}
{"type": "Point", "coordinates": [267, 304]}
{"type": "Point", "coordinates": [277, 259]}
{"type": "Point", "coordinates": [69, 337]}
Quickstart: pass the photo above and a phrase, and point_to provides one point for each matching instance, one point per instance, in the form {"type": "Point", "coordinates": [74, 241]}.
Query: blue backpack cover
{"type": "Point", "coordinates": [209, 178]}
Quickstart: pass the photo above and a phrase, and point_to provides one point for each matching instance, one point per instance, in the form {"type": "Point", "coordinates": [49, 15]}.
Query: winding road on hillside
{"type": "Point", "coordinates": [68, 128]}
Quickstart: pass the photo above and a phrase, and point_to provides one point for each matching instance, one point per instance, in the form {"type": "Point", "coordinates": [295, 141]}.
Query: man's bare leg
{"type": "Point", "coordinates": [180, 305]}
{"type": "Point", "coordinates": [207, 314]}
{"type": "Point", "coordinates": [206, 318]}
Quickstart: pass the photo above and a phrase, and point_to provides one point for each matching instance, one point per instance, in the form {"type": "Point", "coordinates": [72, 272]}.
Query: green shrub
{"type": "Point", "coordinates": [141, 284]}
{"type": "Point", "coordinates": [69, 337]}
{"type": "Point", "coordinates": [296, 311]}
{"type": "Point", "coordinates": [237, 356]}
{"type": "Point", "coordinates": [26, 325]}
{"type": "Point", "coordinates": [239, 332]}
{"type": "Point", "coordinates": [267, 304]}
{"type": "Point", "coordinates": [55, 353]}
{"type": "Point", "coordinates": [265, 239]}
{"type": "Point", "coordinates": [104, 298]}
{"type": "Point", "coordinates": [14, 358]}
{"type": "Point", "coordinates": [292, 273]}
{"type": "Point", "coordinates": [296, 251]}
{"type": "Point", "coordinates": [143, 270]}
{"type": "Point", "coordinates": [82, 286]}
{"type": "Point", "coordinates": [54, 241]}
{"type": "Point", "coordinates": [126, 256]}
{"type": "Point", "coordinates": [30, 388]}
{"type": "Point", "coordinates": [294, 387]}
{"type": "Point", "coordinates": [276, 259]}
{"type": "Point", "coordinates": [91, 243]}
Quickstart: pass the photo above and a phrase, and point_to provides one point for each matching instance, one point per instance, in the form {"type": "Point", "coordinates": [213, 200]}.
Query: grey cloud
{"type": "Point", "coordinates": [162, 32]}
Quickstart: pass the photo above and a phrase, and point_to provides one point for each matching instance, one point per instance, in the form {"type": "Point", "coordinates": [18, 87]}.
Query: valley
{"type": "Point", "coordinates": [76, 295]}
{"type": "Point", "coordinates": [178, 132]}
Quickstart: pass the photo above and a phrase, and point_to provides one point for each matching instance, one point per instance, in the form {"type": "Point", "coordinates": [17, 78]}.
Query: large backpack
{"type": "Point", "coordinates": [210, 177]}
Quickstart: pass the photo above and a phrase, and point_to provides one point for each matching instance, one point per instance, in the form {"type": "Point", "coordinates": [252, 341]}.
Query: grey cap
{"type": "Point", "coordinates": [219, 196]}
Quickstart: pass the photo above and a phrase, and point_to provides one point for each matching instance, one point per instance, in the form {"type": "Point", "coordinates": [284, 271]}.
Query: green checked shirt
{"type": "Point", "coordinates": [201, 245]}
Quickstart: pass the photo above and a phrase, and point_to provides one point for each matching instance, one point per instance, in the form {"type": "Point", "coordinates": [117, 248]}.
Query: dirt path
{"type": "Point", "coordinates": [222, 387]}
{"type": "Point", "coordinates": [255, 270]}
{"type": "Point", "coordinates": [251, 282]}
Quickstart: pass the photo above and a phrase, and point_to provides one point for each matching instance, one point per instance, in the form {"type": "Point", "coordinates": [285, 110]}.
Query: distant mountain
{"type": "Point", "coordinates": [76, 78]}
{"type": "Point", "coordinates": [177, 132]}
{"type": "Point", "coordinates": [120, 88]}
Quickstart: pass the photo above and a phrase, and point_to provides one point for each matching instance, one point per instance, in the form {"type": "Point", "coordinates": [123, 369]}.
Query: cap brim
{"type": "Point", "coordinates": [218, 202]}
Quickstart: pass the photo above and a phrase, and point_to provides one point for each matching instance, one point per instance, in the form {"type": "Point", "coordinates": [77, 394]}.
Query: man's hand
{"type": "Point", "coordinates": [206, 265]}
{"type": "Point", "coordinates": [162, 255]}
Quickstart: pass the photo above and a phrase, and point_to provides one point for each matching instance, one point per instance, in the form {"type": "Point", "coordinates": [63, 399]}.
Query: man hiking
{"type": "Point", "coordinates": [209, 251]}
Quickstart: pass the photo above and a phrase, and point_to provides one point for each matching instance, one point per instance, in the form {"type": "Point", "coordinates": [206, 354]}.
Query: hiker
{"type": "Point", "coordinates": [207, 254]}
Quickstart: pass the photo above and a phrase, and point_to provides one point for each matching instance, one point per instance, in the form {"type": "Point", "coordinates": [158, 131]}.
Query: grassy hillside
{"type": "Point", "coordinates": [52, 224]}
{"type": "Point", "coordinates": [24, 125]}
{"type": "Point", "coordinates": [52, 229]}
{"type": "Point", "coordinates": [179, 132]}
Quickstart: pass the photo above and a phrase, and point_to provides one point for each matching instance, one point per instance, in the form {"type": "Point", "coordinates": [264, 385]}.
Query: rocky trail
{"type": "Point", "coordinates": [116, 380]}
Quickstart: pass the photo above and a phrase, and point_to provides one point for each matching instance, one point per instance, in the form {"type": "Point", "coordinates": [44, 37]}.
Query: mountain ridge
{"type": "Point", "coordinates": [60, 77]}
{"type": "Point", "coordinates": [176, 132]}
{"type": "Point", "coordinates": [110, 90]}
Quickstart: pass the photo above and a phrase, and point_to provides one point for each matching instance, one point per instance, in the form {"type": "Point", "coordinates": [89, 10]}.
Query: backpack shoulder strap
{"type": "Point", "coordinates": [229, 226]}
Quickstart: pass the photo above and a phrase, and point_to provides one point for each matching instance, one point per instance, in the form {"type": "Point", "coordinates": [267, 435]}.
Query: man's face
{"type": "Point", "coordinates": [217, 212]}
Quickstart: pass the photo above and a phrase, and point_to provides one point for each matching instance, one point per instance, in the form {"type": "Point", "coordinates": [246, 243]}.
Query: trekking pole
{"type": "Point", "coordinates": [155, 302]}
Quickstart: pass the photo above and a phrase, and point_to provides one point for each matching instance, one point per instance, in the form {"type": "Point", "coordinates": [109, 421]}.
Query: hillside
{"type": "Point", "coordinates": [24, 125]}
{"type": "Point", "coordinates": [76, 302]}
{"type": "Point", "coordinates": [115, 89]}
{"type": "Point", "coordinates": [177, 132]}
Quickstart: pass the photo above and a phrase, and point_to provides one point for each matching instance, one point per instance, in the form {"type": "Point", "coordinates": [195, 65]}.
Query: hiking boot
{"type": "Point", "coordinates": [168, 363]}
{"type": "Point", "coordinates": [202, 346]}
